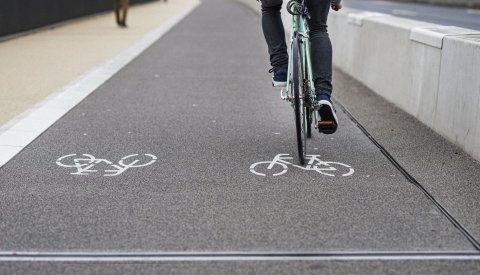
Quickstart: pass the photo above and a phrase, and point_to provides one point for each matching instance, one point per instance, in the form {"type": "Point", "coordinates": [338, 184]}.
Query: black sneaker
{"type": "Point", "coordinates": [279, 77]}
{"type": "Point", "coordinates": [328, 121]}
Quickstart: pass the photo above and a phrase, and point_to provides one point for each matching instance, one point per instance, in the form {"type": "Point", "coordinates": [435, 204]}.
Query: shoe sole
{"type": "Point", "coordinates": [328, 122]}
{"type": "Point", "coordinates": [279, 84]}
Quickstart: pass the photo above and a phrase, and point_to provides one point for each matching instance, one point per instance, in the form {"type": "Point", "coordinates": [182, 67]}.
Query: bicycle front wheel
{"type": "Point", "coordinates": [299, 100]}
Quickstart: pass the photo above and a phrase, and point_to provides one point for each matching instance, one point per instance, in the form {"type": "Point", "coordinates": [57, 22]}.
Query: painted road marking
{"type": "Point", "coordinates": [404, 12]}
{"type": "Point", "coordinates": [236, 256]}
{"type": "Point", "coordinates": [60, 102]}
{"type": "Point", "coordinates": [385, 3]}
{"type": "Point", "coordinates": [86, 162]}
{"type": "Point", "coordinates": [281, 163]}
{"type": "Point", "coordinates": [473, 11]}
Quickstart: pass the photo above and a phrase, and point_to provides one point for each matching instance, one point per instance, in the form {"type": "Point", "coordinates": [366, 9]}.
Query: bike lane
{"type": "Point", "coordinates": [197, 109]}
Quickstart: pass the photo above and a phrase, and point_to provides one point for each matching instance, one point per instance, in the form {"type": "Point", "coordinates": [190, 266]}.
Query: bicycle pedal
{"type": "Point", "coordinates": [327, 127]}
{"type": "Point", "coordinates": [284, 95]}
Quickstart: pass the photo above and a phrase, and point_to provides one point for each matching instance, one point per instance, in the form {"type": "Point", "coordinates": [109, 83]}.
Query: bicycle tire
{"type": "Point", "coordinates": [308, 110]}
{"type": "Point", "coordinates": [298, 103]}
{"type": "Point", "coordinates": [309, 123]}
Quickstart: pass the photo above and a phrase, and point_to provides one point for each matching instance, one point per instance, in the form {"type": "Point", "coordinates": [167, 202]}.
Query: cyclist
{"type": "Point", "coordinates": [321, 53]}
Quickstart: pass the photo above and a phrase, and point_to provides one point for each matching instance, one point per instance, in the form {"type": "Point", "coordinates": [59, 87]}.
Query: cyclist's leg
{"type": "Point", "coordinates": [320, 44]}
{"type": "Point", "coordinates": [321, 49]}
{"type": "Point", "coordinates": [275, 36]}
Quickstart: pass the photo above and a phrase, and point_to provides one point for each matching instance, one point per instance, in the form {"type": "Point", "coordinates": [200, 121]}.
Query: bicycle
{"type": "Point", "coordinates": [300, 90]}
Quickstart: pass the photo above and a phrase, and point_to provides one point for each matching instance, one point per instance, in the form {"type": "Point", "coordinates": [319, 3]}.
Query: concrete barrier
{"type": "Point", "coordinates": [430, 71]}
{"type": "Point", "coordinates": [458, 95]}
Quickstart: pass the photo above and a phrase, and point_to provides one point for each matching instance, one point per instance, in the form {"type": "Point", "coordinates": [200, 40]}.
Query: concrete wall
{"type": "Point", "coordinates": [430, 71]}
{"type": "Point", "coordinates": [23, 15]}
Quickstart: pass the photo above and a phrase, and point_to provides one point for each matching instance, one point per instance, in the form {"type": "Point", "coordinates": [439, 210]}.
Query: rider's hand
{"type": "Point", "coordinates": [336, 6]}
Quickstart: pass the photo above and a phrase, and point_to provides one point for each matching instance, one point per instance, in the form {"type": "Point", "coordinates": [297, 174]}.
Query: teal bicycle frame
{"type": "Point", "coordinates": [300, 89]}
{"type": "Point", "coordinates": [299, 30]}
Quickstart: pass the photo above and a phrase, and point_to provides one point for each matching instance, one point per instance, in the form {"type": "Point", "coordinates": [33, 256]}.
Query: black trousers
{"type": "Point", "coordinates": [321, 47]}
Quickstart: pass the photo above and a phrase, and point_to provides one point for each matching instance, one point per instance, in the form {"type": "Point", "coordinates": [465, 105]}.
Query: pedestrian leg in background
{"type": "Point", "coordinates": [121, 8]}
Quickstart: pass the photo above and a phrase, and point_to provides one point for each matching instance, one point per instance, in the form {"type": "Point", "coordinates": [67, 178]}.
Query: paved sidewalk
{"type": "Point", "coordinates": [38, 64]}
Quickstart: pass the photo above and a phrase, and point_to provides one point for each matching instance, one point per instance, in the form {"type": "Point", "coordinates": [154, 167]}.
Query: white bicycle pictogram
{"type": "Point", "coordinates": [327, 168]}
{"type": "Point", "coordinates": [85, 164]}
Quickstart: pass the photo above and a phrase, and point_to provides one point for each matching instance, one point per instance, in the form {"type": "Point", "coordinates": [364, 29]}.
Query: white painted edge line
{"type": "Point", "coordinates": [63, 100]}
{"type": "Point", "coordinates": [235, 256]}
{"type": "Point", "coordinates": [230, 259]}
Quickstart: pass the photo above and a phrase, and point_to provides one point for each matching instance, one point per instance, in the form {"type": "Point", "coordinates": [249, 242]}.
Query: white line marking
{"type": "Point", "coordinates": [473, 11]}
{"type": "Point", "coordinates": [326, 168]}
{"type": "Point", "coordinates": [404, 12]}
{"type": "Point", "coordinates": [63, 100]}
{"type": "Point", "coordinates": [231, 256]}
{"type": "Point", "coordinates": [85, 164]}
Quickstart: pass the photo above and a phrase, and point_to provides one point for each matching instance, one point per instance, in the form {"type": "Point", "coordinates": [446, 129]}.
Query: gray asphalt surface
{"type": "Point", "coordinates": [450, 16]}
{"type": "Point", "coordinates": [199, 100]}
{"type": "Point", "coordinates": [442, 168]}
{"type": "Point", "coordinates": [255, 267]}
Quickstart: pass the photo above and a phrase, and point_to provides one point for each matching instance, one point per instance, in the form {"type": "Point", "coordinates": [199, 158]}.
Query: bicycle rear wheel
{"type": "Point", "coordinates": [299, 100]}
{"type": "Point", "coordinates": [308, 110]}
{"type": "Point", "coordinates": [309, 123]}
